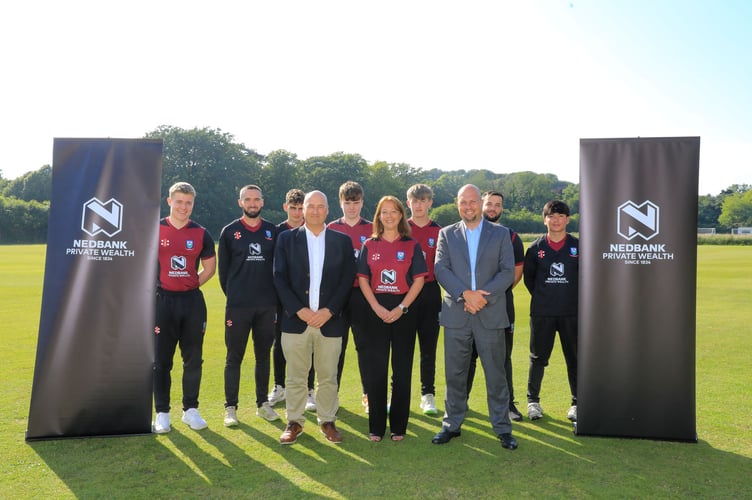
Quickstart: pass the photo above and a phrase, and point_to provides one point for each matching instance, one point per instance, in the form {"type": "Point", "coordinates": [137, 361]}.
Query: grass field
{"type": "Point", "coordinates": [248, 462]}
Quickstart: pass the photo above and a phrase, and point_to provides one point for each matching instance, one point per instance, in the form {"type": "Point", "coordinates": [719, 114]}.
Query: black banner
{"type": "Point", "coordinates": [638, 275]}
{"type": "Point", "coordinates": [93, 371]}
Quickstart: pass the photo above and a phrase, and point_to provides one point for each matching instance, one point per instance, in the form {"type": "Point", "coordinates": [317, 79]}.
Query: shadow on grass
{"type": "Point", "coordinates": [248, 461]}
{"type": "Point", "coordinates": [183, 463]}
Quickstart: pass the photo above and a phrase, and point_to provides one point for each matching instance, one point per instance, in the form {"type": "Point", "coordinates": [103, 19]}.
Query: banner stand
{"type": "Point", "coordinates": [95, 353]}
{"type": "Point", "coordinates": [638, 281]}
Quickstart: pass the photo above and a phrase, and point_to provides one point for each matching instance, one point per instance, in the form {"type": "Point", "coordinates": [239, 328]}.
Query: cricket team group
{"type": "Point", "coordinates": [297, 289]}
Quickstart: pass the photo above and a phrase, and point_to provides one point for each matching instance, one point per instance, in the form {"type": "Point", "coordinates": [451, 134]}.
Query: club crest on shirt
{"type": "Point", "coordinates": [363, 239]}
{"type": "Point", "coordinates": [400, 256]}
{"type": "Point", "coordinates": [268, 235]}
{"type": "Point", "coordinates": [431, 242]}
{"type": "Point", "coordinates": [189, 244]}
{"type": "Point", "coordinates": [573, 251]}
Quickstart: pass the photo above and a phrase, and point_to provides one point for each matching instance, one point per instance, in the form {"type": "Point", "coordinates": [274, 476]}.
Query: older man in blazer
{"type": "Point", "coordinates": [475, 266]}
{"type": "Point", "coordinates": [314, 269]}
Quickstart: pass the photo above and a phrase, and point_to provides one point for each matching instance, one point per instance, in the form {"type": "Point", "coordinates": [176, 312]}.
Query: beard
{"type": "Point", "coordinates": [252, 215]}
{"type": "Point", "coordinates": [492, 219]}
{"type": "Point", "coordinates": [471, 220]}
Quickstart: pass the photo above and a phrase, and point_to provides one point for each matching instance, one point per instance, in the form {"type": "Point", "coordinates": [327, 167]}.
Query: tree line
{"type": "Point", "coordinates": [218, 166]}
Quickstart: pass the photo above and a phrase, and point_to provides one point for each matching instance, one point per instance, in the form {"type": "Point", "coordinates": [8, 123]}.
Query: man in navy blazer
{"type": "Point", "coordinates": [474, 265]}
{"type": "Point", "coordinates": [314, 269]}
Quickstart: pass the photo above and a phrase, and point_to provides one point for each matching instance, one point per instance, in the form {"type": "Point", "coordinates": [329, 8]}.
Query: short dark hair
{"type": "Point", "coordinates": [251, 186]}
{"type": "Point", "coordinates": [419, 192]}
{"type": "Point", "coordinates": [493, 193]}
{"type": "Point", "coordinates": [295, 197]}
{"type": "Point", "coordinates": [350, 191]}
{"type": "Point", "coordinates": [555, 207]}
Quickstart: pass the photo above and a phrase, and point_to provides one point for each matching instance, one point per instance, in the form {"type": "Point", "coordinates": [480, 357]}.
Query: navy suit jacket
{"type": "Point", "coordinates": [292, 279]}
{"type": "Point", "coordinates": [494, 272]}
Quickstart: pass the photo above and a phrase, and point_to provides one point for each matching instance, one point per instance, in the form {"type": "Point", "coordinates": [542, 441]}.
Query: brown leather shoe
{"type": "Point", "coordinates": [292, 431]}
{"type": "Point", "coordinates": [330, 431]}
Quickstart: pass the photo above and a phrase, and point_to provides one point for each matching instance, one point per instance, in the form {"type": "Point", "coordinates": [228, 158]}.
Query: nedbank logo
{"type": "Point", "coordinates": [389, 276]}
{"type": "Point", "coordinates": [638, 220]}
{"type": "Point", "coordinates": [98, 217]}
{"type": "Point", "coordinates": [178, 262]}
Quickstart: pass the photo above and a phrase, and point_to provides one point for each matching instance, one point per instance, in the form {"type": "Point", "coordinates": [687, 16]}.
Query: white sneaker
{"type": "Point", "coordinates": [266, 412]}
{"type": "Point", "coordinates": [534, 411]}
{"type": "Point", "coordinates": [572, 413]}
{"type": "Point", "coordinates": [427, 404]}
{"type": "Point", "coordinates": [276, 395]}
{"type": "Point", "coordinates": [231, 416]}
{"type": "Point", "coordinates": [311, 402]}
{"type": "Point", "coordinates": [192, 417]}
{"type": "Point", "coordinates": [161, 423]}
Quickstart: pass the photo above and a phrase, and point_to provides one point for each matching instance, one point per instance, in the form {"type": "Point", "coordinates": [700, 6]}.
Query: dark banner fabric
{"type": "Point", "coordinates": [637, 295]}
{"type": "Point", "coordinates": [93, 371]}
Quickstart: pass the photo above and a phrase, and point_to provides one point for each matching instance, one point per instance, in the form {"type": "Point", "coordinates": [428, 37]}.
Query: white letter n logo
{"type": "Point", "coordinates": [634, 220]}
{"type": "Point", "coordinates": [98, 217]}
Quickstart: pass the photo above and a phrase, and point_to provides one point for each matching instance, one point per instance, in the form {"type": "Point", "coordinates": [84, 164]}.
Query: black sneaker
{"type": "Point", "coordinates": [514, 413]}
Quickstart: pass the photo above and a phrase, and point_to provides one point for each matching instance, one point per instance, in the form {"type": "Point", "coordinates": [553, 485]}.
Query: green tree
{"type": "Point", "coordinates": [530, 190]}
{"type": "Point", "coordinates": [280, 171]}
{"type": "Point", "coordinates": [444, 215]}
{"type": "Point", "coordinates": [387, 179]}
{"type": "Point", "coordinates": [327, 173]}
{"type": "Point", "coordinates": [737, 210]}
{"type": "Point", "coordinates": [736, 188]}
{"type": "Point", "coordinates": [708, 210]}
{"type": "Point", "coordinates": [571, 196]}
{"type": "Point", "coordinates": [214, 164]}
{"type": "Point", "coordinates": [23, 221]}
{"type": "Point", "coordinates": [445, 188]}
{"type": "Point", "coordinates": [35, 185]}
{"type": "Point", "coordinates": [523, 221]}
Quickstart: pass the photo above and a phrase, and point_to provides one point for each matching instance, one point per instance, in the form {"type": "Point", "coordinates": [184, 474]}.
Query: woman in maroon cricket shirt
{"type": "Point", "coordinates": [391, 270]}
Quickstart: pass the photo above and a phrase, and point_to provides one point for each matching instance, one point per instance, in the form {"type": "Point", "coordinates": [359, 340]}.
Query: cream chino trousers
{"type": "Point", "coordinates": [298, 349]}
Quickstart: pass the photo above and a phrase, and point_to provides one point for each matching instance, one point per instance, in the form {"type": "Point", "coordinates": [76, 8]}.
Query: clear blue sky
{"type": "Point", "coordinates": [503, 85]}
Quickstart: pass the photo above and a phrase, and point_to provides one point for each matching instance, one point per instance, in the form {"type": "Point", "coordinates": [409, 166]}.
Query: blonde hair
{"type": "Point", "coordinates": [182, 187]}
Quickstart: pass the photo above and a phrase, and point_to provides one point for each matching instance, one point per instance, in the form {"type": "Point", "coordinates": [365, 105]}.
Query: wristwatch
{"type": "Point", "coordinates": [403, 307]}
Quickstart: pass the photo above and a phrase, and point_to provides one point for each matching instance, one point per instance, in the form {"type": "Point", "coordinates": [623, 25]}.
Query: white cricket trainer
{"type": "Point", "coordinates": [276, 395]}
{"type": "Point", "coordinates": [572, 413]}
{"type": "Point", "coordinates": [162, 423]}
{"type": "Point", "coordinates": [266, 412]}
{"type": "Point", "coordinates": [231, 416]}
{"type": "Point", "coordinates": [428, 404]}
{"type": "Point", "coordinates": [534, 411]}
{"type": "Point", "coordinates": [192, 417]}
{"type": "Point", "coordinates": [311, 402]}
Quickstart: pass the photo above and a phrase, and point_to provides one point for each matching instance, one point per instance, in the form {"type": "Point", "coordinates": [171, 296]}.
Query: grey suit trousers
{"type": "Point", "coordinates": [458, 348]}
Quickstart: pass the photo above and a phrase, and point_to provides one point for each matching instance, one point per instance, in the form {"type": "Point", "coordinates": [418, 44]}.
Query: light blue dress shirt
{"type": "Point", "coordinates": [473, 239]}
